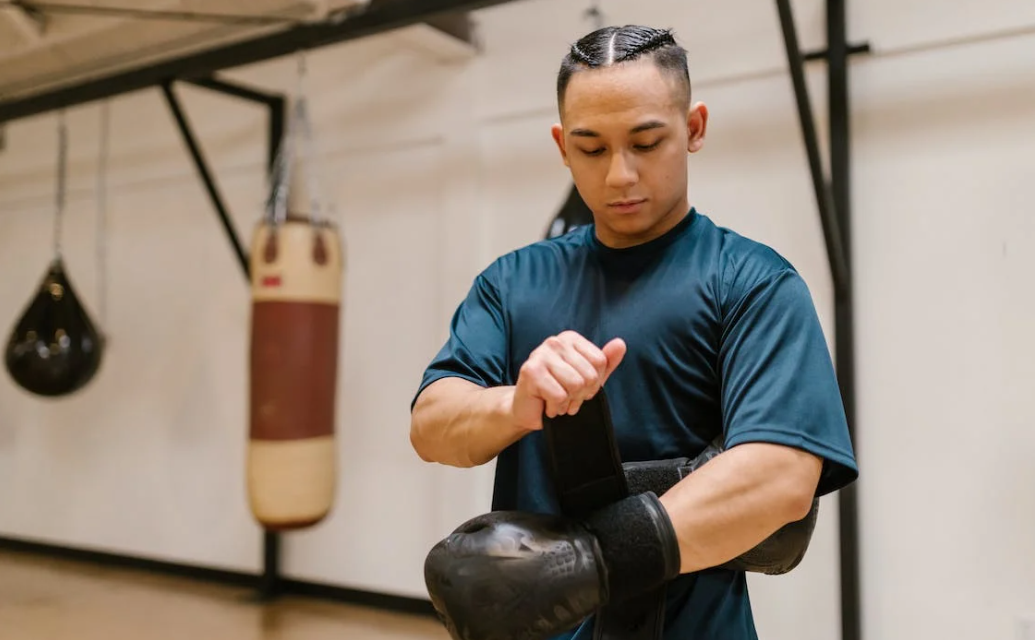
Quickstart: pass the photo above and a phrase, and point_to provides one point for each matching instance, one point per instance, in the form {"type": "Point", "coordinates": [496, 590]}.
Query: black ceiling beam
{"type": "Point", "coordinates": [378, 17]}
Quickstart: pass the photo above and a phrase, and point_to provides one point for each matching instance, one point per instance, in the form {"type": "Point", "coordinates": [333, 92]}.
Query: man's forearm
{"type": "Point", "coordinates": [737, 500]}
{"type": "Point", "coordinates": [461, 424]}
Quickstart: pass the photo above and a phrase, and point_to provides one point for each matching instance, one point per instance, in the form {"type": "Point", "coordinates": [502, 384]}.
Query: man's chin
{"type": "Point", "coordinates": [634, 229]}
{"type": "Point", "coordinates": [631, 224]}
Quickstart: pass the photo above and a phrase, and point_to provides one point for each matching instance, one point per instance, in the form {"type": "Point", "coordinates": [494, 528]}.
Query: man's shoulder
{"type": "Point", "coordinates": [744, 262]}
{"type": "Point", "coordinates": [739, 251]}
{"type": "Point", "coordinates": [538, 258]}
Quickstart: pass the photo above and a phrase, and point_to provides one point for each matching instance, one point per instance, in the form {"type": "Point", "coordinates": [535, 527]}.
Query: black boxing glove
{"type": "Point", "coordinates": [778, 554]}
{"type": "Point", "coordinates": [523, 576]}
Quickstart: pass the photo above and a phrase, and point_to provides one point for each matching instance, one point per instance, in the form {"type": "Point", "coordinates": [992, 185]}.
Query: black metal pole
{"type": "Point", "coordinates": [206, 176]}
{"type": "Point", "coordinates": [844, 340]}
{"type": "Point", "coordinates": [832, 232]}
{"type": "Point", "coordinates": [834, 199]}
{"type": "Point", "coordinates": [271, 584]}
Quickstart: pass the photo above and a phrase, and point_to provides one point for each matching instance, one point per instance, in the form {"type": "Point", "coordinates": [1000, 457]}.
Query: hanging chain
{"type": "Point", "coordinates": [102, 214]}
{"type": "Point", "coordinates": [280, 176]}
{"type": "Point", "coordinates": [315, 196]}
{"type": "Point", "coordinates": [61, 178]}
{"type": "Point", "coordinates": [299, 124]}
{"type": "Point", "coordinates": [309, 153]}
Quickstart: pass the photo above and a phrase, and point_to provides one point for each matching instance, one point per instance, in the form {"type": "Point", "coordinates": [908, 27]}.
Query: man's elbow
{"type": "Point", "coordinates": [799, 503]}
{"type": "Point", "coordinates": [418, 444]}
{"type": "Point", "coordinates": [801, 490]}
{"type": "Point", "coordinates": [418, 441]}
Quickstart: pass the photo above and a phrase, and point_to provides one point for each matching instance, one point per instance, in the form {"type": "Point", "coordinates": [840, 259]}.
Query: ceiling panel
{"type": "Point", "coordinates": [76, 47]}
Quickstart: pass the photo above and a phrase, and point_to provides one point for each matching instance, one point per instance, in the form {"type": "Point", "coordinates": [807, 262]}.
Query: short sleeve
{"type": "Point", "coordinates": [476, 348]}
{"type": "Point", "coordinates": [778, 379]}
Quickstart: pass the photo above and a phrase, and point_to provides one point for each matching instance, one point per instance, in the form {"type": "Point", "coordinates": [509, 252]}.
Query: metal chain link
{"type": "Point", "coordinates": [299, 124]}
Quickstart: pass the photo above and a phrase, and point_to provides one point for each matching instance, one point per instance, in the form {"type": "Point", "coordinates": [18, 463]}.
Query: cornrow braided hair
{"type": "Point", "coordinates": [613, 45]}
{"type": "Point", "coordinates": [603, 48]}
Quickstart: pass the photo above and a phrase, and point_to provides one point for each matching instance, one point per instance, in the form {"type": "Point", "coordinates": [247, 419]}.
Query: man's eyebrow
{"type": "Point", "coordinates": [647, 126]}
{"type": "Point", "coordinates": [640, 128]}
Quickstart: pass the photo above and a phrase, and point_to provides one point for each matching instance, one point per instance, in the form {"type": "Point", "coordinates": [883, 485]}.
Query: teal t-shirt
{"type": "Point", "coordinates": [723, 337]}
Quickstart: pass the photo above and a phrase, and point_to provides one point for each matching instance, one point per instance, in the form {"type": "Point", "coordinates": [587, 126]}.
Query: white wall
{"type": "Point", "coordinates": [451, 164]}
{"type": "Point", "coordinates": [945, 243]}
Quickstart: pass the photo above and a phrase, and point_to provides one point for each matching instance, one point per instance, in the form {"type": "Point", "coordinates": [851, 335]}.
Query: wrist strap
{"type": "Point", "coordinates": [587, 473]}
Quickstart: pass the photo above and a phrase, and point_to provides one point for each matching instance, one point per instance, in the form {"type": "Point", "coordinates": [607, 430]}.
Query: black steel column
{"type": "Point", "coordinates": [834, 200]}
{"type": "Point", "coordinates": [844, 345]}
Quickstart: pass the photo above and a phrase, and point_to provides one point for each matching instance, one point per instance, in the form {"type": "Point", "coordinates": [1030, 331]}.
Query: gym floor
{"type": "Point", "coordinates": [45, 599]}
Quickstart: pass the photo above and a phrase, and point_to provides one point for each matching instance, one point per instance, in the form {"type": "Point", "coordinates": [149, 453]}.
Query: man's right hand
{"type": "Point", "coordinates": [560, 374]}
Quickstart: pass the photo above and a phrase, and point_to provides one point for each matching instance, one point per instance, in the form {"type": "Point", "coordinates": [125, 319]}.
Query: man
{"type": "Point", "coordinates": [695, 331]}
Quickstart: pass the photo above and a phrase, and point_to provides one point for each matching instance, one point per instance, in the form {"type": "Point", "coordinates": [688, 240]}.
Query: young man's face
{"type": "Point", "coordinates": [625, 134]}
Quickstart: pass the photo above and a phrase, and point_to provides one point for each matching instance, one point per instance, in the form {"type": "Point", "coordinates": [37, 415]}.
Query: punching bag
{"type": "Point", "coordinates": [296, 282]}
{"type": "Point", "coordinates": [574, 213]}
{"type": "Point", "coordinates": [54, 349]}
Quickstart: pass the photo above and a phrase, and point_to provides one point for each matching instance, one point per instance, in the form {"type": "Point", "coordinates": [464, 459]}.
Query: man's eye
{"type": "Point", "coordinates": [592, 152]}
{"type": "Point", "coordinates": [647, 147]}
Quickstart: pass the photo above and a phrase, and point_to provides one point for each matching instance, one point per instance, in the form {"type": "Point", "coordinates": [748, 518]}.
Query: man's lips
{"type": "Point", "coordinates": [630, 204]}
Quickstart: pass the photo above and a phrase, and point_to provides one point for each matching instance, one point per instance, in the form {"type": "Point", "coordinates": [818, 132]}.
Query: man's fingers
{"type": "Point", "coordinates": [595, 361]}
{"type": "Point", "coordinates": [555, 381]}
{"type": "Point", "coordinates": [569, 370]}
{"type": "Point", "coordinates": [554, 396]}
{"type": "Point", "coordinates": [589, 377]}
{"type": "Point", "coordinates": [615, 351]}
{"type": "Point", "coordinates": [566, 374]}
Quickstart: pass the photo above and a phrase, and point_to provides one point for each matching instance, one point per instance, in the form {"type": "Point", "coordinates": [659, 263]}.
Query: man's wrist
{"type": "Point", "coordinates": [506, 414]}
{"type": "Point", "coordinates": [638, 543]}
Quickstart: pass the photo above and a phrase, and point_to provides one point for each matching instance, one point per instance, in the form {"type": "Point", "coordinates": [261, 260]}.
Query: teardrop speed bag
{"type": "Point", "coordinates": [296, 269]}
{"type": "Point", "coordinates": [55, 349]}
{"type": "Point", "coordinates": [574, 213]}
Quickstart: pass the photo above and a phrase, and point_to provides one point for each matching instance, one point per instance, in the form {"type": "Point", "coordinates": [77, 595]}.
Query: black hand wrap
{"type": "Point", "coordinates": [638, 544]}
{"type": "Point", "coordinates": [780, 553]}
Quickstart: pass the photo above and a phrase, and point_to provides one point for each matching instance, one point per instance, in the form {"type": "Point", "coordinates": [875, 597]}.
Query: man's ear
{"type": "Point", "coordinates": [696, 127]}
{"type": "Point", "coordinates": [558, 136]}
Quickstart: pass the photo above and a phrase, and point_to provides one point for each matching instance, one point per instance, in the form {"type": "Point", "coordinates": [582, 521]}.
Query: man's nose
{"type": "Point", "coordinates": [621, 172]}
